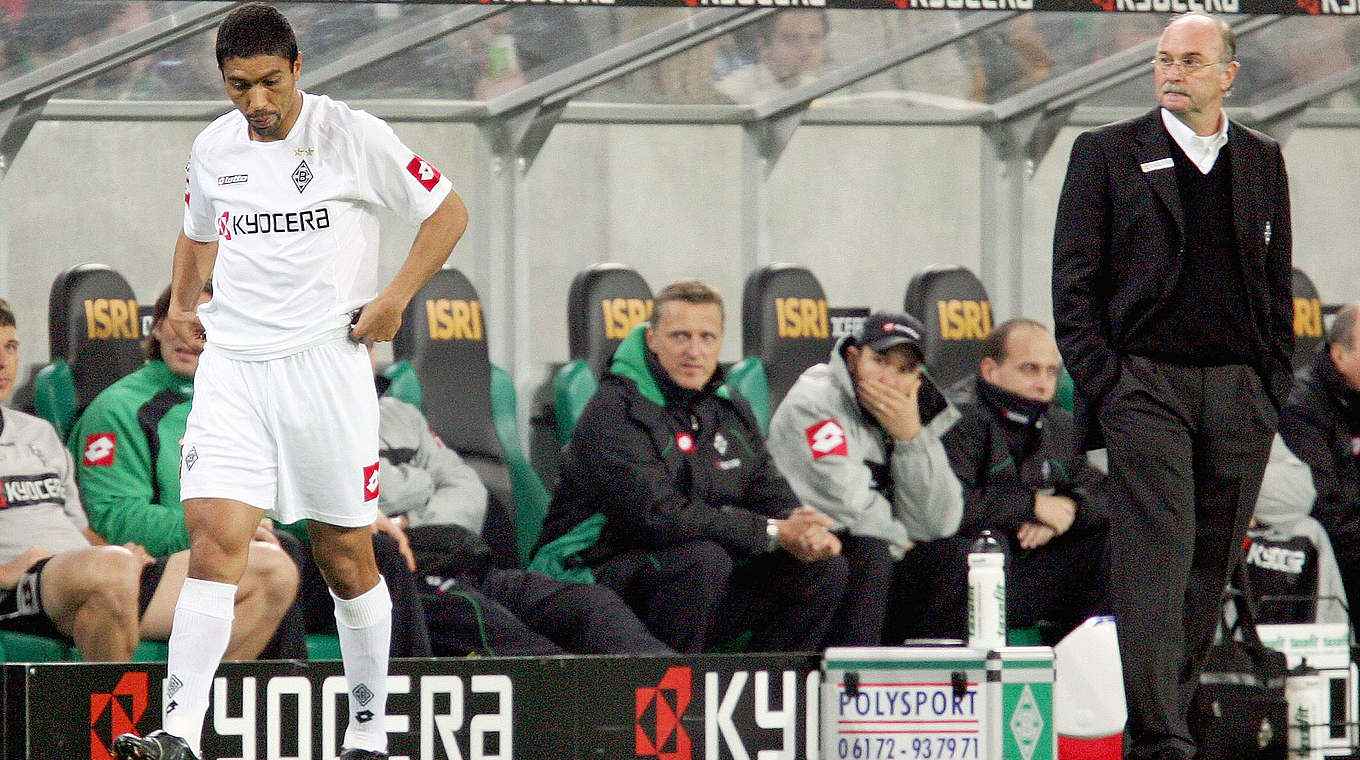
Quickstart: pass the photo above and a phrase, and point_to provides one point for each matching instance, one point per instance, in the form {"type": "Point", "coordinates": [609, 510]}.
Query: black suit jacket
{"type": "Point", "coordinates": [1119, 245]}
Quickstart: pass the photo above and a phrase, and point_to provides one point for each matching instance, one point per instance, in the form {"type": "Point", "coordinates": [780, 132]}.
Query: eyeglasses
{"type": "Point", "coordinates": [1189, 67]}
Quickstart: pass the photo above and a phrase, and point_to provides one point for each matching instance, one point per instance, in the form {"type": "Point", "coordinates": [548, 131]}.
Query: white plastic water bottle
{"type": "Point", "coordinates": [986, 593]}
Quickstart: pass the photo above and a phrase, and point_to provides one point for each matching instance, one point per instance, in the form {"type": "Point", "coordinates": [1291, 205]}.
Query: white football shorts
{"type": "Point", "coordinates": [296, 436]}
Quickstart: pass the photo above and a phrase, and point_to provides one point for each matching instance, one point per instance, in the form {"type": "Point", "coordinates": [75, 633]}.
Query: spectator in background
{"type": "Point", "coordinates": [493, 57]}
{"type": "Point", "coordinates": [669, 497]}
{"type": "Point", "coordinates": [472, 605]}
{"type": "Point", "coordinates": [685, 77]}
{"type": "Point", "coordinates": [858, 438]}
{"type": "Point", "coordinates": [1321, 424]}
{"type": "Point", "coordinates": [58, 579]}
{"type": "Point", "coordinates": [1025, 480]}
{"type": "Point", "coordinates": [132, 483]}
{"type": "Point", "coordinates": [1009, 59]}
{"type": "Point", "coordinates": [790, 51]}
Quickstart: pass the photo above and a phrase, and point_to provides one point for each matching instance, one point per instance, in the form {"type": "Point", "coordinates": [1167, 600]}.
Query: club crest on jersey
{"type": "Point", "coordinates": [684, 442]}
{"type": "Point", "coordinates": [426, 175]}
{"type": "Point", "coordinates": [371, 482]}
{"type": "Point", "coordinates": [99, 449]}
{"type": "Point", "coordinates": [302, 175]}
{"type": "Point", "coordinates": [826, 438]}
{"type": "Point", "coordinates": [720, 444]}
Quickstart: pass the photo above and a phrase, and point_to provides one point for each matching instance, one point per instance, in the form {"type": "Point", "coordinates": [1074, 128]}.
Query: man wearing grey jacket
{"type": "Point", "coordinates": [858, 438]}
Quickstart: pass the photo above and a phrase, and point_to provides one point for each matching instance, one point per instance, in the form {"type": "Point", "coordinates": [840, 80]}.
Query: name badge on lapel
{"type": "Point", "coordinates": [1161, 163]}
{"type": "Point", "coordinates": [1267, 232]}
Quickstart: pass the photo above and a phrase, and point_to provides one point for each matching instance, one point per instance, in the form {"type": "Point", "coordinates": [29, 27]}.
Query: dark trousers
{"type": "Point", "coordinates": [1187, 449]}
{"type": "Point", "coordinates": [509, 613]}
{"type": "Point", "coordinates": [410, 634]}
{"type": "Point", "coordinates": [859, 618]}
{"type": "Point", "coordinates": [693, 596]}
{"type": "Point", "coordinates": [1057, 586]}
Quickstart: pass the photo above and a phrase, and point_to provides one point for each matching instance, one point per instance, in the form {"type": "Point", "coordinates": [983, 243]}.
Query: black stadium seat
{"type": "Point", "coordinates": [604, 303]}
{"type": "Point", "coordinates": [443, 338]}
{"type": "Point", "coordinates": [784, 325]}
{"type": "Point", "coordinates": [1308, 332]}
{"type": "Point", "coordinates": [95, 337]}
{"type": "Point", "coordinates": [952, 304]}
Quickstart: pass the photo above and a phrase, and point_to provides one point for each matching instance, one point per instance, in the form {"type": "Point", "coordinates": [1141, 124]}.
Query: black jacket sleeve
{"type": "Point", "coordinates": [1080, 276]}
{"type": "Point", "coordinates": [1308, 432]}
{"type": "Point", "coordinates": [988, 501]}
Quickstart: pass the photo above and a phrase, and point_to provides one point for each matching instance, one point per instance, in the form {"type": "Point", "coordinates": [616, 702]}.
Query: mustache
{"type": "Point", "coordinates": [1171, 87]}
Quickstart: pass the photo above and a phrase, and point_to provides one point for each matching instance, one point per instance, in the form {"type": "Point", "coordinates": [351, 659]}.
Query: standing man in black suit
{"type": "Point", "coordinates": [1172, 306]}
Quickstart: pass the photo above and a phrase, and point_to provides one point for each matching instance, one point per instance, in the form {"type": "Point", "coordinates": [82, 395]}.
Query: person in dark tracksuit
{"type": "Point", "coordinates": [471, 605]}
{"type": "Point", "coordinates": [1321, 425]}
{"type": "Point", "coordinates": [669, 497]}
{"type": "Point", "coordinates": [1173, 308]}
{"type": "Point", "coordinates": [1025, 480]}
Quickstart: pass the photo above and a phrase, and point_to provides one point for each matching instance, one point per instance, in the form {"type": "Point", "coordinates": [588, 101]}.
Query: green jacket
{"type": "Point", "coordinates": [126, 449]}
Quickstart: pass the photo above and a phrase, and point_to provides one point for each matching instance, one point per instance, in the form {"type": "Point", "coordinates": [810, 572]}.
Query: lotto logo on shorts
{"type": "Point", "coordinates": [826, 438]}
{"type": "Point", "coordinates": [371, 482]}
{"type": "Point", "coordinates": [99, 449]}
{"type": "Point", "coordinates": [426, 175]}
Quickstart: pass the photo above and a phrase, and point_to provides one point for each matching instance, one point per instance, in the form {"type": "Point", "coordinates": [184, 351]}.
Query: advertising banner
{"type": "Point", "coordinates": [662, 708]}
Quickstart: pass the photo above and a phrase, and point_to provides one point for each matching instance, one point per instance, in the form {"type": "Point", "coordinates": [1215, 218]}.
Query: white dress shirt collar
{"type": "Point", "coordinates": [1202, 150]}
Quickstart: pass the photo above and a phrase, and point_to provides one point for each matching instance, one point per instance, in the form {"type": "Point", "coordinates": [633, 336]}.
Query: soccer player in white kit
{"type": "Point", "coordinates": [279, 211]}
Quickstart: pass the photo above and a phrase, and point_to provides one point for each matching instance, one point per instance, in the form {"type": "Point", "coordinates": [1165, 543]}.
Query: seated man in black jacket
{"type": "Point", "coordinates": [669, 497]}
{"type": "Point", "coordinates": [1321, 424]}
{"type": "Point", "coordinates": [1015, 454]}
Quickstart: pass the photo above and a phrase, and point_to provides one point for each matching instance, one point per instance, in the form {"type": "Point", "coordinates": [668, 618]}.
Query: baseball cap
{"type": "Point", "coordinates": [883, 330]}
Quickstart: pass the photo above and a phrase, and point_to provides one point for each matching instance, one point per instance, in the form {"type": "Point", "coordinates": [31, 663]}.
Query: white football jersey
{"type": "Point", "coordinates": [295, 223]}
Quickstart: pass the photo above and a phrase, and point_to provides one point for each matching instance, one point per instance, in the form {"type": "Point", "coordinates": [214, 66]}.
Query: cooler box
{"type": "Point", "coordinates": [938, 703]}
{"type": "Point", "coordinates": [1322, 714]}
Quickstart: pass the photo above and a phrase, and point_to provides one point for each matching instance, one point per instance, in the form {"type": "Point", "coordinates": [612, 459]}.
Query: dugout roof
{"type": "Point", "coordinates": [1017, 69]}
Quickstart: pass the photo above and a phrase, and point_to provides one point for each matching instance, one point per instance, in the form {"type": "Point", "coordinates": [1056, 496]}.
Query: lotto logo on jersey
{"type": "Point", "coordinates": [426, 175]}
{"type": "Point", "coordinates": [99, 448]}
{"type": "Point", "coordinates": [826, 438]}
{"type": "Point", "coordinates": [371, 482]}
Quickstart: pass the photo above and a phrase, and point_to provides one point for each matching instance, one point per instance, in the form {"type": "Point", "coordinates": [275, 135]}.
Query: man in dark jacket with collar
{"type": "Point", "coordinates": [1172, 305]}
{"type": "Point", "coordinates": [669, 497]}
{"type": "Point", "coordinates": [1025, 480]}
{"type": "Point", "coordinates": [1321, 424]}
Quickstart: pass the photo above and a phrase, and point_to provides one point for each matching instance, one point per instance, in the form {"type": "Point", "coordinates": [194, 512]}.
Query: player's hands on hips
{"type": "Point", "coordinates": [377, 322]}
{"type": "Point", "coordinates": [187, 326]}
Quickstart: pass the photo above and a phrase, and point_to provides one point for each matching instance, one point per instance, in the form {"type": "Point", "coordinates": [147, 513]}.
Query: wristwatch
{"type": "Point", "coordinates": [772, 530]}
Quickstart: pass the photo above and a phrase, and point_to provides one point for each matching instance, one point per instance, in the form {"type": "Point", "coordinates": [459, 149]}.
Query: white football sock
{"type": "Point", "coordinates": [198, 639]}
{"type": "Point", "coordinates": [364, 625]}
